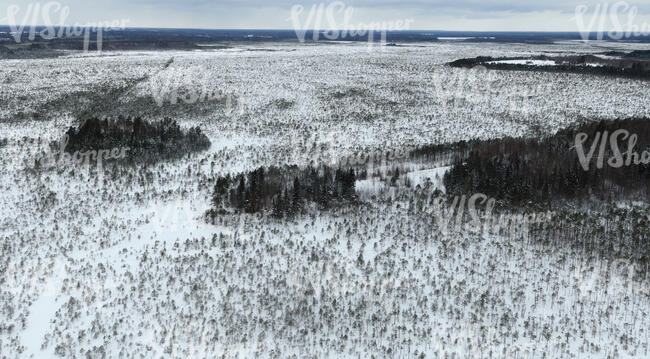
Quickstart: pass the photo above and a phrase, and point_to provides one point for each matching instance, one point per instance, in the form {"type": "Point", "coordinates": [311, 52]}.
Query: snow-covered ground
{"type": "Point", "coordinates": [525, 62]}
{"type": "Point", "coordinates": [431, 177]}
{"type": "Point", "coordinates": [126, 266]}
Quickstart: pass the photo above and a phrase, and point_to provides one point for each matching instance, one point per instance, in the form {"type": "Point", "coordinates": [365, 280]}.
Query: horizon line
{"type": "Point", "coordinates": [308, 30]}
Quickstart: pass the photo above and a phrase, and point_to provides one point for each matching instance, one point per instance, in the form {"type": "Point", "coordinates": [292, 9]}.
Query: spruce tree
{"type": "Point", "coordinates": [297, 198]}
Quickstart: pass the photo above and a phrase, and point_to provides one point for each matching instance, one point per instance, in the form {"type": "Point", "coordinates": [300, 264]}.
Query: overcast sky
{"type": "Point", "coordinates": [475, 15]}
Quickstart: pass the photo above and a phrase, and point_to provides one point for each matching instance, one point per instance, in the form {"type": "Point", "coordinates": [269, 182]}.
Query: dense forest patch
{"type": "Point", "coordinates": [284, 192]}
{"type": "Point", "coordinates": [147, 141]}
{"type": "Point", "coordinates": [584, 193]}
{"type": "Point", "coordinates": [538, 172]}
{"type": "Point", "coordinates": [632, 66]}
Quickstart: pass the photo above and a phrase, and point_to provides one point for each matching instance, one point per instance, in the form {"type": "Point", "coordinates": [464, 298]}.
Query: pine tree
{"type": "Point", "coordinates": [286, 204]}
{"type": "Point", "coordinates": [278, 211]}
{"type": "Point", "coordinates": [241, 193]}
{"type": "Point", "coordinates": [395, 177]}
{"type": "Point", "coordinates": [297, 198]}
{"type": "Point", "coordinates": [251, 193]}
{"type": "Point", "coordinates": [220, 191]}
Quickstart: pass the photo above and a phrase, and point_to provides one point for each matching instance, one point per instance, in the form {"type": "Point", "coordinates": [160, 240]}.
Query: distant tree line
{"type": "Point", "coordinates": [443, 154]}
{"type": "Point", "coordinates": [632, 68]}
{"type": "Point", "coordinates": [148, 141]}
{"type": "Point", "coordinates": [539, 171]}
{"type": "Point", "coordinates": [636, 54]}
{"type": "Point", "coordinates": [283, 192]}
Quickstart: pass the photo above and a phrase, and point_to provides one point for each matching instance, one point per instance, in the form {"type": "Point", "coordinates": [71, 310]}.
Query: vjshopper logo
{"type": "Point", "coordinates": [620, 18]}
{"type": "Point", "coordinates": [35, 157]}
{"type": "Point", "coordinates": [454, 88]}
{"type": "Point", "coordinates": [334, 21]}
{"type": "Point", "coordinates": [602, 141]}
{"type": "Point", "coordinates": [191, 86]}
{"type": "Point", "coordinates": [482, 221]}
{"type": "Point", "coordinates": [612, 277]}
{"type": "Point", "coordinates": [34, 16]}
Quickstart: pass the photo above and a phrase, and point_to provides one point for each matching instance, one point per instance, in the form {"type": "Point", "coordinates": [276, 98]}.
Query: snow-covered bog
{"type": "Point", "coordinates": [33, 278]}
{"type": "Point", "coordinates": [196, 340]}
{"type": "Point", "coordinates": [473, 340]}
{"type": "Point", "coordinates": [141, 263]}
{"type": "Point", "coordinates": [339, 278]}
